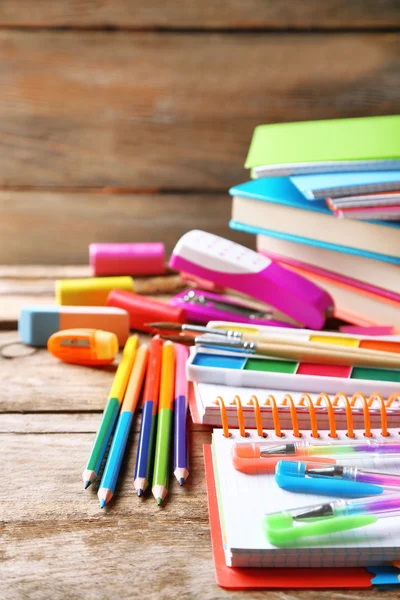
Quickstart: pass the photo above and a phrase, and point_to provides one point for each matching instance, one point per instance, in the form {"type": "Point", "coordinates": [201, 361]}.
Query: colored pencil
{"type": "Point", "coordinates": [111, 411]}
{"type": "Point", "coordinates": [117, 450]}
{"type": "Point", "coordinates": [144, 457]}
{"type": "Point", "coordinates": [164, 424]}
{"type": "Point", "coordinates": [181, 455]}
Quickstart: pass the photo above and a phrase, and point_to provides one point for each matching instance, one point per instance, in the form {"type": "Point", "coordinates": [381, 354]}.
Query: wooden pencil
{"type": "Point", "coordinates": [144, 456]}
{"type": "Point", "coordinates": [164, 424]}
{"type": "Point", "coordinates": [117, 450]}
{"type": "Point", "coordinates": [181, 454]}
{"type": "Point", "coordinates": [111, 411]}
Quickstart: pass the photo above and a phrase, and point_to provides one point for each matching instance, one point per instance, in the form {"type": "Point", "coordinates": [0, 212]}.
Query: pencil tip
{"type": "Point", "coordinates": [102, 503]}
{"type": "Point", "coordinates": [158, 500]}
{"type": "Point", "coordinates": [87, 484]}
{"type": "Point", "coordinates": [181, 481]}
{"type": "Point", "coordinates": [140, 493]}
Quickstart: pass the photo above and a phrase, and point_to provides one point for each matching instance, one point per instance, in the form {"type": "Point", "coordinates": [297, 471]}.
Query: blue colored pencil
{"type": "Point", "coordinates": [144, 457]}
{"type": "Point", "coordinates": [117, 450]}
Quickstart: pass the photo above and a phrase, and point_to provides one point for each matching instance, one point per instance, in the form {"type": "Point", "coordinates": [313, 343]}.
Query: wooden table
{"type": "Point", "coordinates": [55, 541]}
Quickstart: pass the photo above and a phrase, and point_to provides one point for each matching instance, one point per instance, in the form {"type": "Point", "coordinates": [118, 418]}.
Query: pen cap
{"type": "Point", "coordinates": [267, 464]}
{"type": "Point", "coordinates": [144, 310]}
{"type": "Point", "coordinates": [91, 291]}
{"type": "Point", "coordinates": [127, 259]}
{"type": "Point", "coordinates": [291, 468]}
{"type": "Point", "coordinates": [292, 476]}
{"type": "Point", "coordinates": [246, 450]}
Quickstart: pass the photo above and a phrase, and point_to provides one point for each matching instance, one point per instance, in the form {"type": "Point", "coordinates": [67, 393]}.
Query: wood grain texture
{"type": "Point", "coordinates": [177, 111]}
{"type": "Point", "coordinates": [55, 537]}
{"type": "Point", "coordinates": [223, 14]}
{"type": "Point", "coordinates": [57, 227]}
{"type": "Point", "coordinates": [62, 423]}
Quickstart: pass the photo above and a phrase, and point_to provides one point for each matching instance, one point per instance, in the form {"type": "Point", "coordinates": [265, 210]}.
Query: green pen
{"type": "Point", "coordinates": [282, 528]}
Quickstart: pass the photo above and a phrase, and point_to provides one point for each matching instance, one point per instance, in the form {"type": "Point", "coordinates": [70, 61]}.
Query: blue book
{"type": "Point", "coordinates": [274, 206]}
{"type": "Point", "coordinates": [334, 185]}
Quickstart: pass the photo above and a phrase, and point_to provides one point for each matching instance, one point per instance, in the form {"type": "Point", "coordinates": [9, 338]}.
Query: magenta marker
{"type": "Point", "coordinates": [233, 266]}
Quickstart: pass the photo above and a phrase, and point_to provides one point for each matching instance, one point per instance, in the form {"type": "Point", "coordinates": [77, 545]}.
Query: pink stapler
{"type": "Point", "coordinates": [233, 266]}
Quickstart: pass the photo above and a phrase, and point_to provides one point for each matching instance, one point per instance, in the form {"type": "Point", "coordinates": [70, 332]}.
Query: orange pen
{"type": "Point", "coordinates": [245, 462]}
{"type": "Point", "coordinates": [93, 347]}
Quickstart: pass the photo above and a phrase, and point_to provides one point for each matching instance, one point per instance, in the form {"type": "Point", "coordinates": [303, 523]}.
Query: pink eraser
{"type": "Point", "coordinates": [236, 267]}
{"type": "Point", "coordinates": [127, 259]}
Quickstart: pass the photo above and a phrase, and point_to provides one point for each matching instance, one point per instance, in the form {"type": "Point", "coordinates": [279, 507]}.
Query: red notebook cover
{"type": "Point", "coordinates": [241, 578]}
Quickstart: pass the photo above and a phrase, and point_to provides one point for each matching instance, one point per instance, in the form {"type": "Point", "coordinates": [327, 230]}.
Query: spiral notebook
{"type": "Point", "coordinates": [244, 499]}
{"type": "Point", "coordinates": [243, 578]}
{"type": "Point", "coordinates": [291, 409]}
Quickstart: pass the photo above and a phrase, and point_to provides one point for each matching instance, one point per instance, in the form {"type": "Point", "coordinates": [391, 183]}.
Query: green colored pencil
{"type": "Point", "coordinates": [111, 411]}
{"type": "Point", "coordinates": [164, 424]}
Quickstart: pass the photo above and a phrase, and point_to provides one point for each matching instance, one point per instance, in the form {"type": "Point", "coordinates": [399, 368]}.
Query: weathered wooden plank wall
{"type": "Point", "coordinates": [123, 121]}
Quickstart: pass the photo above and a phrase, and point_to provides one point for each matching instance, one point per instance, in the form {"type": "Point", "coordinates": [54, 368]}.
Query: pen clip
{"type": "Point", "coordinates": [291, 476]}
{"type": "Point", "coordinates": [281, 529]}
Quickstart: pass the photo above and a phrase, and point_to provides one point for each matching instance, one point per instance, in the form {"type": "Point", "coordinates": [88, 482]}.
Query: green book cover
{"type": "Point", "coordinates": [366, 138]}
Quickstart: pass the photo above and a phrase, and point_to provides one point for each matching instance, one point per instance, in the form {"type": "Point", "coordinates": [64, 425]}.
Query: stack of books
{"type": "Point", "coordinates": [308, 175]}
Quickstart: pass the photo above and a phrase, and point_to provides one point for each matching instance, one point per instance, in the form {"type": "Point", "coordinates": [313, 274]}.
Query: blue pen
{"type": "Point", "coordinates": [304, 478]}
{"type": "Point", "coordinates": [117, 450]}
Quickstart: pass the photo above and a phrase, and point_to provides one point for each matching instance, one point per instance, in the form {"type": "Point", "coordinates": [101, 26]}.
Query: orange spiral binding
{"type": "Point", "coordinates": [305, 400]}
{"type": "Point", "coordinates": [349, 414]}
{"type": "Point", "coordinates": [382, 405]}
{"type": "Point", "coordinates": [287, 399]}
{"type": "Point", "coordinates": [331, 413]}
{"type": "Point", "coordinates": [270, 401]}
{"type": "Point", "coordinates": [224, 418]}
{"type": "Point", "coordinates": [311, 411]}
{"type": "Point", "coordinates": [367, 420]}
{"type": "Point", "coordinates": [257, 415]}
{"type": "Point", "coordinates": [242, 428]}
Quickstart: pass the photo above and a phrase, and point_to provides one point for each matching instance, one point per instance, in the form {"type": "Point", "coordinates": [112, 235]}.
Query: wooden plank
{"type": "Point", "coordinates": [57, 227]}
{"type": "Point", "coordinates": [48, 385]}
{"type": "Point", "coordinates": [49, 423]}
{"type": "Point", "coordinates": [63, 423]}
{"type": "Point", "coordinates": [55, 537]}
{"type": "Point", "coordinates": [36, 382]}
{"type": "Point", "coordinates": [34, 272]}
{"type": "Point", "coordinates": [224, 14]}
{"type": "Point", "coordinates": [152, 111]}
{"type": "Point", "coordinates": [35, 530]}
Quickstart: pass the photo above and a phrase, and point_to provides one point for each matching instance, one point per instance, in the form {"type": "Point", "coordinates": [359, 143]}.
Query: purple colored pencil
{"type": "Point", "coordinates": [181, 454]}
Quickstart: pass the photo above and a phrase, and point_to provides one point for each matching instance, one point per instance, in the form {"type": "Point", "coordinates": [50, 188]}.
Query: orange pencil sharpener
{"type": "Point", "coordinates": [93, 347]}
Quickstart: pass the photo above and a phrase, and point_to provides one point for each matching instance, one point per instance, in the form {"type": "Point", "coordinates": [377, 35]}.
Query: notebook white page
{"type": "Point", "coordinates": [244, 499]}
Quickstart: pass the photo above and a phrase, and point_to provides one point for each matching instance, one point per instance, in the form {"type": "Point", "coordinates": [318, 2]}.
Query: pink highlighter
{"type": "Point", "coordinates": [233, 266]}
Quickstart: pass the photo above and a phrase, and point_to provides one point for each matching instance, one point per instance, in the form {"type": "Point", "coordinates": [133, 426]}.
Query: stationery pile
{"type": "Point", "coordinates": [305, 176]}
{"type": "Point", "coordinates": [255, 368]}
